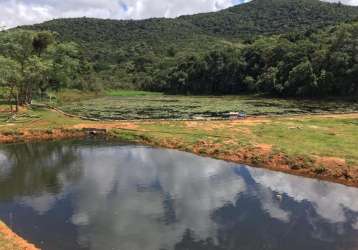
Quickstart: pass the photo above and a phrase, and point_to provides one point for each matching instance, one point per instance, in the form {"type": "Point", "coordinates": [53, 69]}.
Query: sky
{"type": "Point", "coordinates": [20, 12]}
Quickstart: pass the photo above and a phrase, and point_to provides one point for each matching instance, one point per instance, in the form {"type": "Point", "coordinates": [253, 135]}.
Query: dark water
{"type": "Point", "coordinates": [92, 195]}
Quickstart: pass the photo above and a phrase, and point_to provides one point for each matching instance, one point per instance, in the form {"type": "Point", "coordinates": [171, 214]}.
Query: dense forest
{"type": "Point", "coordinates": [323, 63]}
{"type": "Point", "coordinates": [303, 48]}
{"type": "Point", "coordinates": [267, 17]}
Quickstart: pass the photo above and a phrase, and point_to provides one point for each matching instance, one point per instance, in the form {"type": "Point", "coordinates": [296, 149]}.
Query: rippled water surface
{"type": "Point", "coordinates": [96, 195]}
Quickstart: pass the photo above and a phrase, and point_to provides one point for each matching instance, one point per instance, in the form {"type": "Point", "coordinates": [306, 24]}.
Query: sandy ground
{"type": "Point", "coordinates": [11, 241]}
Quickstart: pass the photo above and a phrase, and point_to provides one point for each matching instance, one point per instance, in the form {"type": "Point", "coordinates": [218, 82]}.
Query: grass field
{"type": "Point", "coordinates": [302, 137]}
{"type": "Point", "coordinates": [123, 105]}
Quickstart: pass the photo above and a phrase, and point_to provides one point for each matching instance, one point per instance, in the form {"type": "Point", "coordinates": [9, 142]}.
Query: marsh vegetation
{"type": "Point", "coordinates": [124, 105]}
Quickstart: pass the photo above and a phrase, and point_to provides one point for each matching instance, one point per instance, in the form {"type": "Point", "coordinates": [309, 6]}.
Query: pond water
{"type": "Point", "coordinates": [98, 195]}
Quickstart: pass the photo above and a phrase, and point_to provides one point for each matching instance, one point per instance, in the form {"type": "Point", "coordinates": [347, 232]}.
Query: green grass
{"type": "Point", "coordinates": [36, 118]}
{"type": "Point", "coordinates": [121, 105]}
{"type": "Point", "coordinates": [305, 138]}
{"type": "Point", "coordinates": [300, 137]}
{"type": "Point", "coordinates": [68, 96]}
{"type": "Point", "coordinates": [313, 136]}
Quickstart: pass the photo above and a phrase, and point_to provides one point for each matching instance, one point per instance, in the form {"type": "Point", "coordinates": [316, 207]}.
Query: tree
{"type": "Point", "coordinates": [250, 83]}
{"type": "Point", "coordinates": [65, 65]}
{"type": "Point", "coordinates": [216, 62]}
{"type": "Point", "coordinates": [10, 78]}
{"type": "Point", "coordinates": [36, 76]}
{"type": "Point", "coordinates": [325, 83]}
{"type": "Point", "coordinates": [268, 81]}
{"type": "Point", "coordinates": [18, 46]}
{"type": "Point", "coordinates": [42, 40]}
{"type": "Point", "coordinates": [40, 63]}
{"type": "Point", "coordinates": [302, 80]}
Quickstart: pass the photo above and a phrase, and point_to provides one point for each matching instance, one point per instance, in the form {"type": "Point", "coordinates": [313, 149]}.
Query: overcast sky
{"type": "Point", "coordinates": [19, 12]}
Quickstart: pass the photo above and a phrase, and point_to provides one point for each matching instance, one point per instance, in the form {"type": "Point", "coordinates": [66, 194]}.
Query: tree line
{"type": "Point", "coordinates": [309, 64]}
{"type": "Point", "coordinates": [319, 64]}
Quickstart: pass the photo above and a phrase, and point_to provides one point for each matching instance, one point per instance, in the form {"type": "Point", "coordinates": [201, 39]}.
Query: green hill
{"type": "Point", "coordinates": [260, 17]}
{"type": "Point", "coordinates": [244, 21]}
{"type": "Point", "coordinates": [268, 46]}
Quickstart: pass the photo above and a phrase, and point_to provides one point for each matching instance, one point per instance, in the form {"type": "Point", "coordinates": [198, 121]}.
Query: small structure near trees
{"type": "Point", "coordinates": [237, 115]}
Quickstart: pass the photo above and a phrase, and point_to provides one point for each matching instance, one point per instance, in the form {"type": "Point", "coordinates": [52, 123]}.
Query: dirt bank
{"type": "Point", "coordinates": [11, 241]}
{"type": "Point", "coordinates": [335, 170]}
{"type": "Point", "coordinates": [26, 135]}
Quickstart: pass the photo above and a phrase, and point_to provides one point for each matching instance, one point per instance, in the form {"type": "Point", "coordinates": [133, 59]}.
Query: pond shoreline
{"type": "Point", "coordinates": [191, 138]}
{"type": "Point", "coordinates": [142, 174]}
{"type": "Point", "coordinates": [332, 169]}
{"type": "Point", "coordinates": [278, 163]}
{"type": "Point", "coordinates": [10, 240]}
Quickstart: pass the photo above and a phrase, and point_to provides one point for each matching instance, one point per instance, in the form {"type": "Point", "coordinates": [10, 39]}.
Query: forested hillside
{"type": "Point", "coordinates": [280, 47]}
{"type": "Point", "coordinates": [323, 63]}
{"type": "Point", "coordinates": [241, 22]}
{"type": "Point", "coordinates": [260, 17]}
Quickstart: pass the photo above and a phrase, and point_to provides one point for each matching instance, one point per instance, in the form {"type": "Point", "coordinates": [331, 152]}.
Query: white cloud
{"type": "Point", "coordinates": [330, 200]}
{"type": "Point", "coordinates": [19, 12]}
{"type": "Point", "coordinates": [189, 182]}
{"type": "Point", "coordinates": [348, 2]}
{"type": "Point", "coordinates": [42, 203]}
{"type": "Point", "coordinates": [126, 189]}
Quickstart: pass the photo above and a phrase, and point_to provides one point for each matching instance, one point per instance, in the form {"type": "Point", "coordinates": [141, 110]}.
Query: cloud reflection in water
{"type": "Point", "coordinates": [128, 197]}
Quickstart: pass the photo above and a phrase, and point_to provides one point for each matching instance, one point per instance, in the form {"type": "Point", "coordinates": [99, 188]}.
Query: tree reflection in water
{"type": "Point", "coordinates": [33, 169]}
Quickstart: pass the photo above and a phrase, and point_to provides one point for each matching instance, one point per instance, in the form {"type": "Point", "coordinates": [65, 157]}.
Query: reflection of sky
{"type": "Point", "coordinates": [130, 197]}
{"type": "Point", "coordinates": [4, 165]}
{"type": "Point", "coordinates": [329, 200]}
{"type": "Point", "coordinates": [156, 184]}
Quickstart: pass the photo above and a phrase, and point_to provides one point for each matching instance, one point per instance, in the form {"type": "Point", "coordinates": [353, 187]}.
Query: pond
{"type": "Point", "coordinates": [101, 195]}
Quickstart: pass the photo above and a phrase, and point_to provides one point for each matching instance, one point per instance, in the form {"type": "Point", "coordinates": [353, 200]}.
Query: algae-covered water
{"type": "Point", "coordinates": [100, 195]}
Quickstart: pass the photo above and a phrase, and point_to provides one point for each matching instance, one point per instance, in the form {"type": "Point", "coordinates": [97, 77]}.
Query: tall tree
{"type": "Point", "coordinates": [11, 78]}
